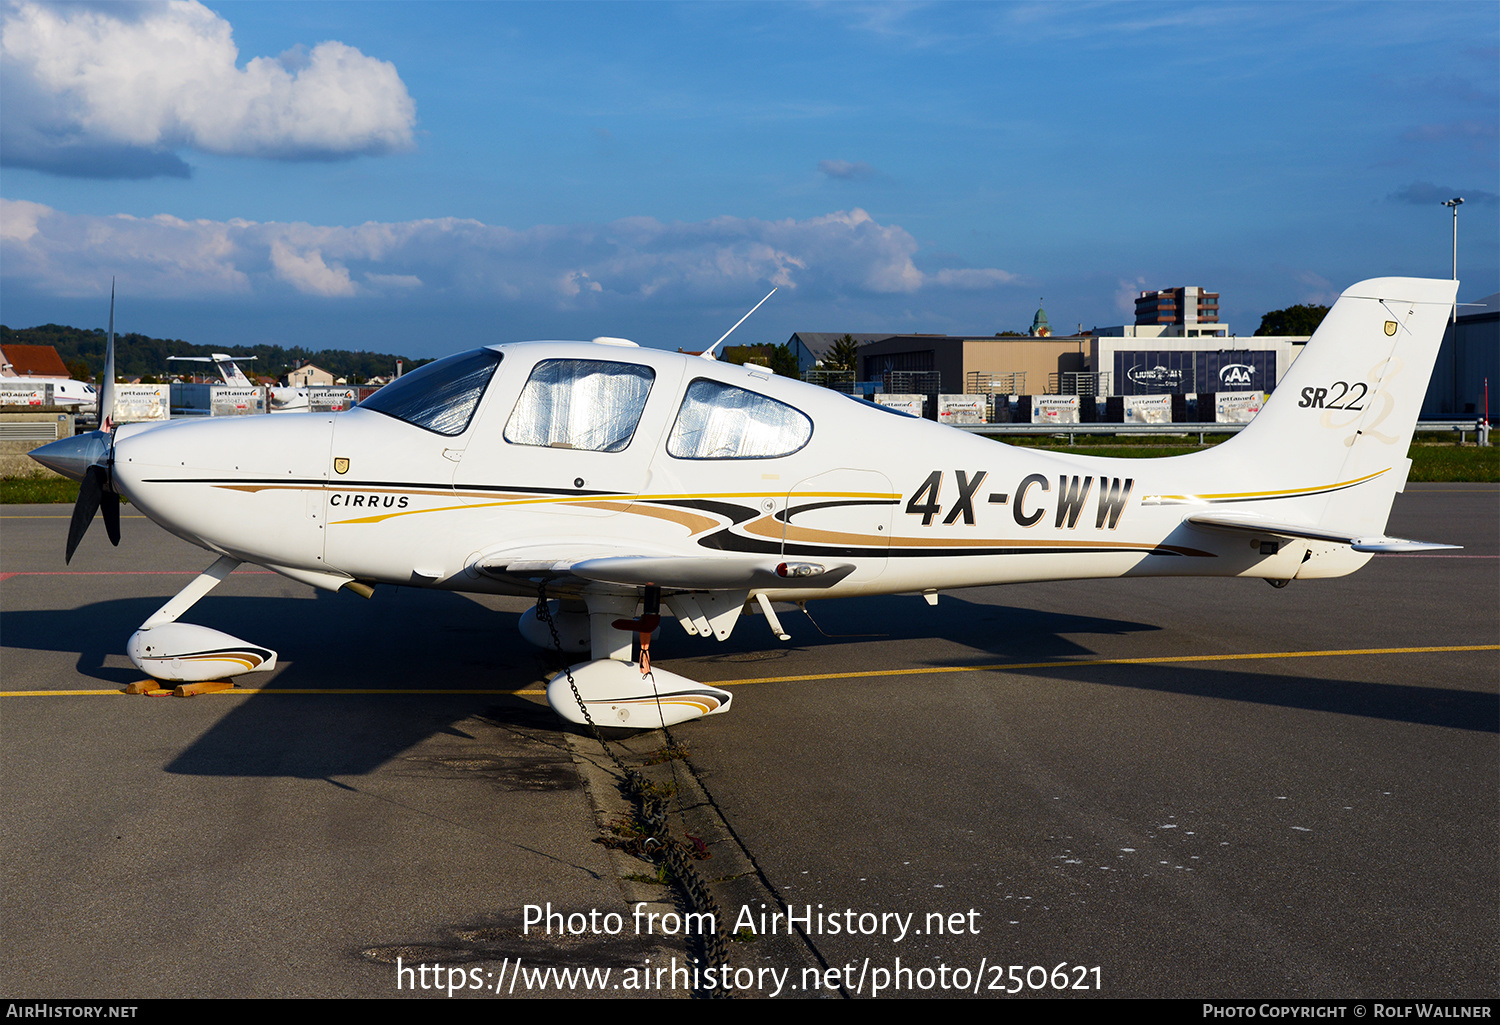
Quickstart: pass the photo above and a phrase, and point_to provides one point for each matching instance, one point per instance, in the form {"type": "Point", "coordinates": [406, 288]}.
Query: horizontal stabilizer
{"type": "Point", "coordinates": [1250, 525]}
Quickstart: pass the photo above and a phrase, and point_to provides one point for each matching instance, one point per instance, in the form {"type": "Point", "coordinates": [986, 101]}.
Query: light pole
{"type": "Point", "coordinates": [1455, 203]}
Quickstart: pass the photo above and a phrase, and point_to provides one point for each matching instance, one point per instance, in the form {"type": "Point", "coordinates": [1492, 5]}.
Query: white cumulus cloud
{"type": "Point", "coordinates": [64, 255]}
{"type": "Point", "coordinates": [114, 90]}
{"type": "Point", "coordinates": [841, 254]}
{"type": "Point", "coordinates": [1126, 293]}
{"type": "Point", "coordinates": [975, 278]}
{"type": "Point", "coordinates": [307, 273]}
{"type": "Point", "coordinates": [846, 169]}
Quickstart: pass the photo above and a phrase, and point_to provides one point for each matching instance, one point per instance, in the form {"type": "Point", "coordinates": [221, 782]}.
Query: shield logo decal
{"type": "Point", "coordinates": [341, 465]}
{"type": "Point", "coordinates": [1390, 328]}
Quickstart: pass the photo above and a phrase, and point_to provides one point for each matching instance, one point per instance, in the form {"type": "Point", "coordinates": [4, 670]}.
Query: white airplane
{"type": "Point", "coordinates": [282, 400]}
{"type": "Point", "coordinates": [65, 390]}
{"type": "Point", "coordinates": [618, 484]}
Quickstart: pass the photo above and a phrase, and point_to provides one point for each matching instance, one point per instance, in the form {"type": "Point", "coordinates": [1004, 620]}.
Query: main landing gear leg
{"type": "Point", "coordinates": [183, 653]}
{"type": "Point", "coordinates": [613, 690]}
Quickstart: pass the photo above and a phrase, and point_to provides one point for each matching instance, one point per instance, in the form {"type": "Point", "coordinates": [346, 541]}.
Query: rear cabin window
{"type": "Point", "coordinates": [440, 397]}
{"type": "Point", "coordinates": [586, 404]}
{"type": "Point", "coordinates": [720, 421]}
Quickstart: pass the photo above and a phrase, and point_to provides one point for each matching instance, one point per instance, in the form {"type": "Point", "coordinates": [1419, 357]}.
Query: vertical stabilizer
{"type": "Point", "coordinates": [229, 370]}
{"type": "Point", "coordinates": [1333, 437]}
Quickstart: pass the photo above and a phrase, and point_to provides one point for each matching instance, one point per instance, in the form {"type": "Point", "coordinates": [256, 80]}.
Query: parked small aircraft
{"type": "Point", "coordinates": [618, 484]}
{"type": "Point", "coordinates": [290, 399]}
{"type": "Point", "coordinates": [33, 389]}
{"type": "Point", "coordinates": [64, 391]}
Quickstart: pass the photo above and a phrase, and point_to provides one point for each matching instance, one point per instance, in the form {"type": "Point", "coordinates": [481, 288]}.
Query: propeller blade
{"type": "Point", "coordinates": [107, 386]}
{"type": "Point", "coordinates": [110, 503]}
{"type": "Point", "coordinates": [90, 491]}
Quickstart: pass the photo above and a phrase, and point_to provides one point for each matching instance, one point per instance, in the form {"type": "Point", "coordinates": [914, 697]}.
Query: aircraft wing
{"type": "Point", "coordinates": [1252, 525]}
{"type": "Point", "coordinates": [545, 560]}
{"type": "Point", "coordinates": [609, 564]}
{"type": "Point", "coordinates": [709, 573]}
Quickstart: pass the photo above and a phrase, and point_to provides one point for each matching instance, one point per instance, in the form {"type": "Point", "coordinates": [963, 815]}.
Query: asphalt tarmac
{"type": "Point", "coordinates": [1205, 788]}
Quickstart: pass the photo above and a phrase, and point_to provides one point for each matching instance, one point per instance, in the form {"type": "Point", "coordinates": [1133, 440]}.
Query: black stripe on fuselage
{"type": "Point", "coordinates": [727, 540]}
{"type": "Point", "coordinates": [785, 516]}
{"type": "Point", "coordinates": [341, 483]}
{"type": "Point", "coordinates": [736, 514]}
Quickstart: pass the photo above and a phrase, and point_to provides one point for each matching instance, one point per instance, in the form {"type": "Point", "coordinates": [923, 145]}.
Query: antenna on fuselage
{"type": "Point", "coordinates": [708, 353]}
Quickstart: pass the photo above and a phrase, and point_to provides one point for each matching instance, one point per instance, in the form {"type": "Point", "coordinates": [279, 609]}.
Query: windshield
{"type": "Point", "coordinates": [440, 397]}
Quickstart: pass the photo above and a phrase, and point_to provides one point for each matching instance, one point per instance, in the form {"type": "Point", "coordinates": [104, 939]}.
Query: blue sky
{"type": "Point", "coordinates": [422, 177]}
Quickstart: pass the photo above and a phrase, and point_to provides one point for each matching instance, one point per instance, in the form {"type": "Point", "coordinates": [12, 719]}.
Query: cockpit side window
{"type": "Point", "coordinates": [720, 421]}
{"type": "Point", "coordinates": [440, 397]}
{"type": "Point", "coordinates": [588, 404]}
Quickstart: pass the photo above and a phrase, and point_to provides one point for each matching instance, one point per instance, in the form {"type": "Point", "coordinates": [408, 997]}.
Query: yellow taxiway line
{"type": "Point", "coordinates": [855, 675]}
{"type": "Point", "coordinates": [1072, 664]}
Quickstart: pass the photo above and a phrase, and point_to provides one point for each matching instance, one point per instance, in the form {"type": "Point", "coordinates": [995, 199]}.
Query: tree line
{"type": "Point", "coordinates": [138, 355]}
{"type": "Point", "coordinates": [1294, 320]}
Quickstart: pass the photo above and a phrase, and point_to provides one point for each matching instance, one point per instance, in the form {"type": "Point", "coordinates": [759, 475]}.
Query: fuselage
{"type": "Point", "coordinates": [65, 390]}
{"type": "Point", "coordinates": [595, 448]}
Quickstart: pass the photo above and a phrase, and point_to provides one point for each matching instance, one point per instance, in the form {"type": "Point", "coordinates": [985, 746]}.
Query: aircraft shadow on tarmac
{"type": "Point", "coordinates": [416, 640]}
{"type": "Point", "coordinates": [1003, 633]}
{"type": "Point", "coordinates": [1424, 706]}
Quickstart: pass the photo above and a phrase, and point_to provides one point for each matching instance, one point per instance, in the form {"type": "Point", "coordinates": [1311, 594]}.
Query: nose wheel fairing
{"type": "Point", "coordinates": [177, 652]}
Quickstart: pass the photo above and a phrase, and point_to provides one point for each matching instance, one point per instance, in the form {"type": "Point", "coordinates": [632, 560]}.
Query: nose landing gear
{"type": "Point", "coordinates": [183, 653]}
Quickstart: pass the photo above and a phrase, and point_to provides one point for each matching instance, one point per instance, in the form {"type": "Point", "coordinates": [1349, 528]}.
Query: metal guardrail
{"type": "Point", "coordinates": [1481, 429]}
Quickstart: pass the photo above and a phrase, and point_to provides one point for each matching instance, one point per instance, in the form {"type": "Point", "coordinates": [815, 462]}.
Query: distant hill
{"type": "Point", "coordinates": [139, 355]}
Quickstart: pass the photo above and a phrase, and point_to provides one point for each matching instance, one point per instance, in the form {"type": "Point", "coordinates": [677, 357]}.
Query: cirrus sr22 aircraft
{"type": "Point", "coordinates": [623, 483]}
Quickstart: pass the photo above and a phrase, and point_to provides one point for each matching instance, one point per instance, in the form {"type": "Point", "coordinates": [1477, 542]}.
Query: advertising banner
{"type": "Point", "coordinates": [962, 409]}
{"type": "Point", "coordinates": [23, 395]}
{"type": "Point", "coordinates": [1237, 407]}
{"type": "Point", "coordinates": [1148, 409]}
{"type": "Point", "coordinates": [1170, 371]}
{"type": "Point", "coordinates": [912, 404]}
{"type": "Point", "coordinates": [1054, 409]}
{"type": "Point", "coordinates": [325, 398]}
{"type": "Point", "coordinates": [136, 403]}
{"type": "Point", "coordinates": [191, 399]}
{"type": "Point", "coordinates": [227, 401]}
